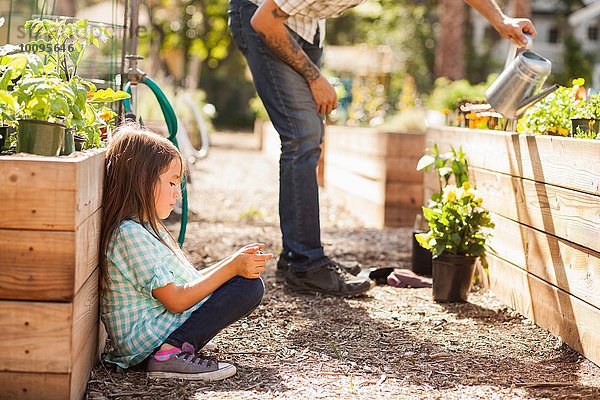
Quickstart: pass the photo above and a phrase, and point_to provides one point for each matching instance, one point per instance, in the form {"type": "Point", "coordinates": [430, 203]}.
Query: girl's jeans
{"type": "Point", "coordinates": [234, 300]}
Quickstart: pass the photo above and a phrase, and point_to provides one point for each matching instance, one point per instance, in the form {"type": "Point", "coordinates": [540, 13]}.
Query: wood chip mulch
{"type": "Point", "coordinates": [390, 344]}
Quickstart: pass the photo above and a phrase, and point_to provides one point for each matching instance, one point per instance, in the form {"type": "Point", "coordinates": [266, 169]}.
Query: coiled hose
{"type": "Point", "coordinates": [171, 120]}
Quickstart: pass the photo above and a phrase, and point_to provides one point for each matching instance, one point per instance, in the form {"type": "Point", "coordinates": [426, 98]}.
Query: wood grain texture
{"type": "Point", "coordinates": [50, 193]}
{"type": "Point", "coordinates": [566, 265]}
{"type": "Point", "coordinates": [34, 386]}
{"type": "Point", "coordinates": [567, 162]}
{"type": "Point", "coordinates": [566, 213]}
{"type": "Point", "coordinates": [48, 265]}
{"type": "Point", "coordinates": [43, 336]}
{"type": "Point", "coordinates": [576, 322]}
{"type": "Point", "coordinates": [396, 169]}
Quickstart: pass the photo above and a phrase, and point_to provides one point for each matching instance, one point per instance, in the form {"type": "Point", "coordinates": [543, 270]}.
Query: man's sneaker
{"type": "Point", "coordinates": [328, 279]}
{"type": "Point", "coordinates": [185, 365]}
{"type": "Point", "coordinates": [351, 267]}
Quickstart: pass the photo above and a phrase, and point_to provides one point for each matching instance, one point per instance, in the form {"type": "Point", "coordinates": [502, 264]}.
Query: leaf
{"type": "Point", "coordinates": [423, 240]}
{"type": "Point", "coordinates": [89, 114]}
{"type": "Point", "coordinates": [109, 95]}
{"type": "Point", "coordinates": [425, 162]}
{"type": "Point", "coordinates": [6, 78]}
{"type": "Point", "coordinates": [9, 49]}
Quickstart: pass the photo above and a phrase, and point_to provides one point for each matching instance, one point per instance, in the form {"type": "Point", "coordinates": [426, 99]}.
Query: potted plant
{"type": "Point", "coordinates": [552, 115]}
{"type": "Point", "coordinates": [458, 230]}
{"type": "Point", "coordinates": [452, 165]}
{"type": "Point", "coordinates": [7, 114]}
{"type": "Point", "coordinates": [50, 95]}
{"type": "Point", "coordinates": [586, 121]}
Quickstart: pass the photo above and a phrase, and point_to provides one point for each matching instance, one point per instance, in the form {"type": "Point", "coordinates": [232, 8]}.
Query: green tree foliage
{"type": "Point", "coordinates": [407, 27]}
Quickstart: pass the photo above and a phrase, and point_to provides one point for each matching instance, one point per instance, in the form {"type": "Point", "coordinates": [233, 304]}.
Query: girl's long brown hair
{"type": "Point", "coordinates": [134, 162]}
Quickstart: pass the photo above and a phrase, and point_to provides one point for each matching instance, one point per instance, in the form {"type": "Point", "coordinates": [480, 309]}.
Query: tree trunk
{"type": "Point", "coordinates": [522, 9]}
{"type": "Point", "coordinates": [450, 51]}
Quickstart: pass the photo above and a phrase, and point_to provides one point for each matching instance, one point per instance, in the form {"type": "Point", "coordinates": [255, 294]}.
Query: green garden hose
{"type": "Point", "coordinates": [171, 121]}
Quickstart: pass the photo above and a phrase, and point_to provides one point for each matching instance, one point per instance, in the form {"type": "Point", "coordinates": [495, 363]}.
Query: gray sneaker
{"type": "Point", "coordinates": [186, 365]}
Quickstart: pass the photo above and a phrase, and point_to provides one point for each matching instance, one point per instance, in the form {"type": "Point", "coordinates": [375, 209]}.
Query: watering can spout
{"type": "Point", "coordinates": [528, 102]}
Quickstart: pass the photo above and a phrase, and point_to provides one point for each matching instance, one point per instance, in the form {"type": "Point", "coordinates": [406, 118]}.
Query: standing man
{"type": "Point", "coordinates": [282, 41]}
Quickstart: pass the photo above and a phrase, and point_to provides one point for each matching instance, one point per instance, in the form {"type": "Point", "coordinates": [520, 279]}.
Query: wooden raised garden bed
{"type": "Point", "coordinates": [49, 238]}
{"type": "Point", "coordinates": [373, 173]}
{"type": "Point", "coordinates": [544, 194]}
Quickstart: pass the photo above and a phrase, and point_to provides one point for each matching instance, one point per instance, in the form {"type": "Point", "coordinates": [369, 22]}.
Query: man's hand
{"type": "Point", "coordinates": [509, 28]}
{"type": "Point", "coordinates": [269, 22]}
{"type": "Point", "coordinates": [514, 29]}
{"type": "Point", "coordinates": [324, 95]}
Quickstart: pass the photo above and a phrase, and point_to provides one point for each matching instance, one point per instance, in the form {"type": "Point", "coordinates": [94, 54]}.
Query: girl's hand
{"type": "Point", "coordinates": [250, 261]}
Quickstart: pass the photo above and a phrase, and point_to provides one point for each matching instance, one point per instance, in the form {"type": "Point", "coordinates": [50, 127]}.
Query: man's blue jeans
{"type": "Point", "coordinates": [234, 300]}
{"type": "Point", "coordinates": [291, 107]}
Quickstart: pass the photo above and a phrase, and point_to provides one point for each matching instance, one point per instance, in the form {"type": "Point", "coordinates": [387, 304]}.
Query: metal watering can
{"type": "Point", "coordinates": [514, 90]}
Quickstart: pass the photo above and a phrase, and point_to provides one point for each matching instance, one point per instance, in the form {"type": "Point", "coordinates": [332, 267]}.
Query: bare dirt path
{"type": "Point", "coordinates": [391, 344]}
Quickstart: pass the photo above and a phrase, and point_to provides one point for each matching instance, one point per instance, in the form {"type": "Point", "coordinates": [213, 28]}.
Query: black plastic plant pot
{"type": "Point", "coordinates": [3, 136]}
{"type": "Point", "coordinates": [68, 146]}
{"type": "Point", "coordinates": [40, 137]}
{"type": "Point", "coordinates": [452, 277]}
{"type": "Point", "coordinates": [420, 257]}
{"type": "Point", "coordinates": [79, 140]}
{"type": "Point", "coordinates": [585, 124]}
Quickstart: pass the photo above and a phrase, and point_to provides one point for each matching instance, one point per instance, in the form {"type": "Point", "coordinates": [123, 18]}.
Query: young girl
{"type": "Point", "coordinates": [154, 303]}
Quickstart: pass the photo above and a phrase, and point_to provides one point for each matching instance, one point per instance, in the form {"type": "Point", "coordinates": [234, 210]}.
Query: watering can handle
{"type": "Point", "coordinates": [512, 49]}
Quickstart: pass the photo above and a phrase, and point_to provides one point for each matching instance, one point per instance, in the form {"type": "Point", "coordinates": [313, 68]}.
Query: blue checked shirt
{"type": "Point", "coordinates": [136, 263]}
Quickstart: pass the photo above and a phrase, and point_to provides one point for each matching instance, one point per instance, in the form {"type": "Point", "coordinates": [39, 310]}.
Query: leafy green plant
{"type": "Point", "coordinates": [589, 108]}
{"type": "Point", "coordinates": [458, 224]}
{"type": "Point", "coordinates": [8, 105]}
{"type": "Point", "coordinates": [64, 43]}
{"type": "Point", "coordinates": [45, 98]}
{"type": "Point", "coordinates": [552, 115]}
{"type": "Point", "coordinates": [447, 94]}
{"type": "Point", "coordinates": [45, 85]}
{"type": "Point", "coordinates": [452, 164]}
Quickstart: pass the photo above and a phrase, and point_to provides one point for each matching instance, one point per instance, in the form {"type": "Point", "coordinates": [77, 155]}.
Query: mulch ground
{"type": "Point", "coordinates": [391, 343]}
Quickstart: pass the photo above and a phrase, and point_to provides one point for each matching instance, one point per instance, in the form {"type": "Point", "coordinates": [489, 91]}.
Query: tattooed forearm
{"type": "Point", "coordinates": [288, 50]}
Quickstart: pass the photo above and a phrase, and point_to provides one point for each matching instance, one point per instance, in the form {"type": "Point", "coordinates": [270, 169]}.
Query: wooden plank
{"type": "Point", "coordinates": [568, 214]}
{"type": "Point", "coordinates": [570, 267]}
{"type": "Point", "coordinates": [48, 265]}
{"type": "Point", "coordinates": [374, 141]}
{"type": "Point", "coordinates": [369, 213]}
{"type": "Point", "coordinates": [37, 336]}
{"type": "Point", "coordinates": [34, 386]}
{"type": "Point", "coordinates": [575, 321]}
{"type": "Point", "coordinates": [566, 162]}
{"type": "Point", "coordinates": [400, 216]}
{"type": "Point", "coordinates": [389, 169]}
{"type": "Point", "coordinates": [50, 193]}
{"type": "Point", "coordinates": [90, 179]}
{"type": "Point", "coordinates": [393, 194]}
{"type": "Point", "coordinates": [359, 186]}
{"type": "Point", "coordinates": [85, 336]}
{"type": "Point", "coordinates": [404, 194]}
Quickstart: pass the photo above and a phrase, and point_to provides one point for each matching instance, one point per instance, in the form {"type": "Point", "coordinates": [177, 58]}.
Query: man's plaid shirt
{"type": "Point", "coordinates": [307, 16]}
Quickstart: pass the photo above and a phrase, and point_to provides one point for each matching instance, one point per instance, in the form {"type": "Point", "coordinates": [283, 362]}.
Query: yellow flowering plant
{"type": "Point", "coordinates": [458, 224]}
